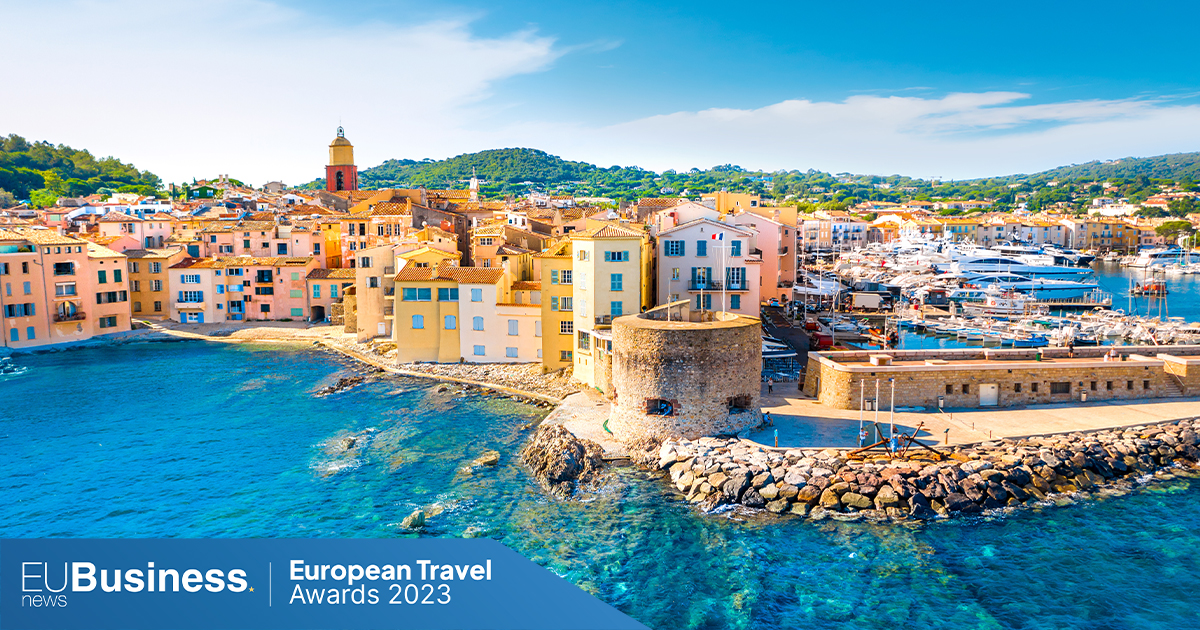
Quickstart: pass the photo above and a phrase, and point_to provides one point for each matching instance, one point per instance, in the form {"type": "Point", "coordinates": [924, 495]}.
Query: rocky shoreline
{"type": "Point", "coordinates": [974, 479]}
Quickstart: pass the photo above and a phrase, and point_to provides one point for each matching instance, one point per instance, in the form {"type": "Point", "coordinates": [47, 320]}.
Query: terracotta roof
{"type": "Point", "coordinates": [445, 271]}
{"type": "Point", "coordinates": [526, 286]}
{"type": "Point", "coordinates": [335, 274]}
{"type": "Point", "coordinates": [508, 249]}
{"type": "Point", "coordinates": [610, 230]}
{"type": "Point", "coordinates": [386, 209]}
{"type": "Point", "coordinates": [239, 226]}
{"type": "Point", "coordinates": [561, 249]}
{"type": "Point", "coordinates": [101, 239]}
{"type": "Point", "coordinates": [118, 217]}
{"type": "Point", "coordinates": [39, 237]}
{"type": "Point", "coordinates": [151, 253]}
{"type": "Point", "coordinates": [660, 202]}
{"type": "Point", "coordinates": [428, 250]}
{"type": "Point", "coordinates": [100, 251]}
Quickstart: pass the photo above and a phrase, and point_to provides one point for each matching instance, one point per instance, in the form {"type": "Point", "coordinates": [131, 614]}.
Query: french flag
{"type": "Point", "coordinates": [719, 236]}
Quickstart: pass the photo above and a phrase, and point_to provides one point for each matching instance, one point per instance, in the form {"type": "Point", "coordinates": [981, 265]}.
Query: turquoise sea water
{"type": "Point", "coordinates": [215, 440]}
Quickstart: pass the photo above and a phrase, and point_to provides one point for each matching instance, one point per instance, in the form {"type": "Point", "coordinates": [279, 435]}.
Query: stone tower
{"type": "Point", "coordinates": [341, 173]}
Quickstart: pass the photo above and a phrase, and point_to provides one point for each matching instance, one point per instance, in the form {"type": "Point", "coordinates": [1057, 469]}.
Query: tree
{"type": "Point", "coordinates": [43, 198]}
{"type": "Point", "coordinates": [7, 199]}
{"type": "Point", "coordinates": [1171, 230]}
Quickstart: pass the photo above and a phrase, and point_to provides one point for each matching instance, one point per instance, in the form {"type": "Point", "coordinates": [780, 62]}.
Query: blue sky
{"type": "Point", "coordinates": [929, 89]}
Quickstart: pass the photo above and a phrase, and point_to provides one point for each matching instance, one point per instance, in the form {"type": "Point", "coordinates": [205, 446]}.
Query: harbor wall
{"type": "Point", "coordinates": [964, 379]}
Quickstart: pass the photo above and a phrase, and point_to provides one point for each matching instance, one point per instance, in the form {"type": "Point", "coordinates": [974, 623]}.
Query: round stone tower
{"type": "Point", "coordinates": [683, 373]}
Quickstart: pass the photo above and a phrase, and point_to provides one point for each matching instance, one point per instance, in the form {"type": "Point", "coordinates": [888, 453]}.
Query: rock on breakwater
{"type": "Point", "coordinates": [1008, 473]}
{"type": "Point", "coordinates": [562, 462]}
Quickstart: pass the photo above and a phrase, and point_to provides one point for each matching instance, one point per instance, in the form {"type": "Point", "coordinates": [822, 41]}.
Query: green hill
{"type": "Point", "coordinates": [1175, 167]}
{"type": "Point", "coordinates": [42, 172]}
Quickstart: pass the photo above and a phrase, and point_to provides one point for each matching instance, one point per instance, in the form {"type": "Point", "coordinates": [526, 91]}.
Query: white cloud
{"type": "Point", "coordinates": [253, 89]}
{"type": "Point", "coordinates": [955, 136]}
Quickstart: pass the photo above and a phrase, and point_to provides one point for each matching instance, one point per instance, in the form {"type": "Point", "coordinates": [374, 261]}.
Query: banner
{"type": "Point", "coordinates": [267, 584]}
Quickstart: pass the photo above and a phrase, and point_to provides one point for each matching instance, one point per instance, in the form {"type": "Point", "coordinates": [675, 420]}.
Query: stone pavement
{"type": "Point", "coordinates": [800, 419]}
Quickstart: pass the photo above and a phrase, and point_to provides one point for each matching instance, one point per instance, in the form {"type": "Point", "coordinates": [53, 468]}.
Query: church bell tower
{"type": "Point", "coordinates": [341, 173]}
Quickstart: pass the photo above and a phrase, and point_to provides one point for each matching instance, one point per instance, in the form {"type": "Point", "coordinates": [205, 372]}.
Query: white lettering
{"type": "Point", "coordinates": [83, 577]}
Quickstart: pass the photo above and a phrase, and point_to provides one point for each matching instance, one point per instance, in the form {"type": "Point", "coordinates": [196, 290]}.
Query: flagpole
{"type": "Point", "coordinates": [724, 273]}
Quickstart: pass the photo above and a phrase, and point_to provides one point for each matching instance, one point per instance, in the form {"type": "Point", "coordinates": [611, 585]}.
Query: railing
{"type": "Point", "coordinates": [388, 311]}
{"type": "Point", "coordinates": [77, 316]}
{"type": "Point", "coordinates": [604, 319]}
{"type": "Point", "coordinates": [389, 291]}
{"type": "Point", "coordinates": [715, 285]}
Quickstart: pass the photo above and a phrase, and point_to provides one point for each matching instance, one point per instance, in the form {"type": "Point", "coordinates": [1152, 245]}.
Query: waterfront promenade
{"type": "Point", "coordinates": [800, 418]}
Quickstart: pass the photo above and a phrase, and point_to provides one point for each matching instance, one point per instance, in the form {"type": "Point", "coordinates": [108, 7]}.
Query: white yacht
{"type": "Point", "coordinates": [1164, 256]}
{"type": "Point", "coordinates": [1039, 288]}
{"type": "Point", "coordinates": [981, 265]}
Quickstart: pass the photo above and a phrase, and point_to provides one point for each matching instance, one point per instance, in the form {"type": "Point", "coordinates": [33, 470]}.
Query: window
{"type": "Point", "coordinates": [1128, 384]}
{"type": "Point", "coordinates": [566, 304]}
{"type": "Point", "coordinates": [246, 243]}
{"type": "Point", "coordinates": [373, 282]}
{"type": "Point", "coordinates": [584, 255]}
{"type": "Point", "coordinates": [616, 282]}
{"type": "Point", "coordinates": [659, 407]}
{"type": "Point", "coordinates": [133, 266]}
{"type": "Point", "coordinates": [706, 303]}
{"type": "Point", "coordinates": [537, 328]}
{"type": "Point", "coordinates": [220, 289]}
{"type": "Point", "coordinates": [585, 341]}
{"type": "Point", "coordinates": [479, 351]}
{"type": "Point", "coordinates": [565, 276]}
{"type": "Point", "coordinates": [156, 285]}
{"type": "Point", "coordinates": [416, 294]}
{"type": "Point", "coordinates": [264, 290]}
{"type": "Point", "coordinates": [513, 328]}
{"type": "Point", "coordinates": [486, 240]}
{"type": "Point", "coordinates": [565, 355]}
{"type": "Point", "coordinates": [553, 276]}
{"type": "Point", "coordinates": [103, 276]}
{"type": "Point", "coordinates": [264, 275]}
{"type": "Point", "coordinates": [476, 295]}
{"type": "Point", "coordinates": [316, 291]}
{"type": "Point", "coordinates": [27, 287]}
{"type": "Point", "coordinates": [1033, 387]}
{"type": "Point", "coordinates": [316, 248]}
{"type": "Point", "coordinates": [735, 302]}
{"type": "Point", "coordinates": [64, 289]}
{"type": "Point", "coordinates": [616, 256]}
{"type": "Point", "coordinates": [295, 276]}
{"type": "Point", "coordinates": [949, 389]}
{"type": "Point", "coordinates": [477, 323]}
{"type": "Point", "coordinates": [191, 296]}
{"type": "Point", "coordinates": [158, 307]}
{"type": "Point", "coordinates": [1060, 388]}
{"type": "Point", "coordinates": [30, 333]}
{"type": "Point", "coordinates": [451, 322]}
{"type": "Point", "coordinates": [1017, 388]}
{"type": "Point", "coordinates": [365, 261]}
{"type": "Point", "coordinates": [966, 389]}
{"type": "Point", "coordinates": [1093, 385]}
{"type": "Point", "coordinates": [701, 248]}
{"type": "Point", "coordinates": [14, 335]}
{"type": "Point", "coordinates": [137, 307]}
{"type": "Point", "coordinates": [447, 295]}
{"type": "Point", "coordinates": [264, 308]}
{"type": "Point", "coordinates": [1108, 386]}
{"type": "Point", "coordinates": [510, 353]}
{"type": "Point", "coordinates": [616, 309]}
{"type": "Point", "coordinates": [1145, 384]}
{"type": "Point", "coordinates": [735, 247]}
{"type": "Point", "coordinates": [418, 321]}
{"type": "Point", "coordinates": [333, 291]}
{"type": "Point", "coordinates": [19, 310]}
{"type": "Point", "coordinates": [673, 248]}
{"type": "Point", "coordinates": [566, 327]}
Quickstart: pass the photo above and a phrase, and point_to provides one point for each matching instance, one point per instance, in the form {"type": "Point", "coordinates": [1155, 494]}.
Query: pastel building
{"type": "Point", "coordinates": [215, 290]}
{"type": "Point", "coordinates": [149, 282]}
{"type": "Point", "coordinates": [150, 232]}
{"type": "Point", "coordinates": [325, 288]}
{"type": "Point", "coordinates": [554, 271]}
{"type": "Point", "coordinates": [56, 289]}
{"type": "Point", "coordinates": [706, 262]}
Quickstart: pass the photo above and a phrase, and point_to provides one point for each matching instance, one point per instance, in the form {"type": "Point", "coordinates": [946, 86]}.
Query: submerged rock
{"type": "Point", "coordinates": [416, 520]}
{"type": "Point", "coordinates": [562, 462]}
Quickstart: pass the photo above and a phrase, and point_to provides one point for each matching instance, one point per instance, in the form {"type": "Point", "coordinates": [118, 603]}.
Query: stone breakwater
{"type": "Point", "coordinates": [1008, 473]}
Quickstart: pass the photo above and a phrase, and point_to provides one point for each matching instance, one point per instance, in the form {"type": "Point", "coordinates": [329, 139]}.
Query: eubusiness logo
{"type": "Point", "coordinates": [43, 587]}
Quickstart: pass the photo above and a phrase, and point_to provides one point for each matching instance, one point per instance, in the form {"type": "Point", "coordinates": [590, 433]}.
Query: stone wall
{"type": "Point", "coordinates": [1017, 382]}
{"type": "Point", "coordinates": [704, 375]}
{"type": "Point", "coordinates": [350, 312]}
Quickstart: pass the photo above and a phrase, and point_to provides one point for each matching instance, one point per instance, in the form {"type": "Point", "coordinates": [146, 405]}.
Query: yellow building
{"type": "Point", "coordinates": [612, 267]}
{"type": "Point", "coordinates": [426, 257]}
{"type": "Point", "coordinates": [960, 228]}
{"type": "Point", "coordinates": [426, 327]}
{"type": "Point", "coordinates": [331, 229]}
{"type": "Point", "coordinates": [148, 287]}
{"type": "Point", "coordinates": [725, 202]}
{"type": "Point", "coordinates": [553, 268]}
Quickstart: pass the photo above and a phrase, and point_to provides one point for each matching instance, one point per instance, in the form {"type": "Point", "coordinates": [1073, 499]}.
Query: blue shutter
{"type": "Point", "coordinates": [701, 248]}
{"type": "Point", "coordinates": [553, 276]}
{"type": "Point", "coordinates": [181, 296]}
{"type": "Point", "coordinates": [200, 294]}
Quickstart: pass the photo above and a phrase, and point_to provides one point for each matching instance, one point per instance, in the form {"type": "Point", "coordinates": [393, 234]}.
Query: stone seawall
{"type": "Point", "coordinates": [968, 480]}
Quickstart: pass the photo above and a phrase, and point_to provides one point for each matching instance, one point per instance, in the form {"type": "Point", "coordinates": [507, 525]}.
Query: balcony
{"type": "Point", "coordinates": [389, 311]}
{"type": "Point", "coordinates": [389, 291]}
{"type": "Point", "coordinates": [77, 316]}
{"type": "Point", "coordinates": [189, 306]}
{"type": "Point", "coordinates": [717, 286]}
{"type": "Point", "coordinates": [603, 319]}
{"type": "Point", "coordinates": [389, 271]}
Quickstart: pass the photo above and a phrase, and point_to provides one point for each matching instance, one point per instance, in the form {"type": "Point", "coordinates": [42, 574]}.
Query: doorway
{"type": "Point", "coordinates": [989, 395]}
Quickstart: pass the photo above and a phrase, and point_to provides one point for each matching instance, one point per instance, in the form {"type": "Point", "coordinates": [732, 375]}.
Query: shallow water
{"type": "Point", "coordinates": [216, 440]}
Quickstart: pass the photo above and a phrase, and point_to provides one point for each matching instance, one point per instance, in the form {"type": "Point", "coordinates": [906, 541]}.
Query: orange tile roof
{"type": "Point", "coordinates": [610, 230]}
{"type": "Point", "coordinates": [151, 253]}
{"type": "Point", "coordinates": [326, 274]}
{"type": "Point", "coordinates": [522, 285]}
{"type": "Point", "coordinates": [446, 271]}
{"type": "Point", "coordinates": [39, 237]}
{"type": "Point", "coordinates": [118, 217]}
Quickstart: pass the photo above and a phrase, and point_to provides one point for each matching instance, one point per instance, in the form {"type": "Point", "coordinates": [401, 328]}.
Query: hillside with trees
{"type": "Point", "coordinates": [41, 172]}
{"type": "Point", "coordinates": [519, 171]}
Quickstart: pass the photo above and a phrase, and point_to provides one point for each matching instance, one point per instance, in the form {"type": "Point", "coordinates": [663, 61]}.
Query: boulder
{"type": "Point", "coordinates": [856, 501]}
{"type": "Point", "coordinates": [562, 462]}
{"type": "Point", "coordinates": [416, 520]}
{"type": "Point", "coordinates": [886, 497]}
{"type": "Point", "coordinates": [829, 499]}
{"type": "Point", "coordinates": [770, 492]}
{"type": "Point", "coordinates": [717, 479]}
{"type": "Point", "coordinates": [808, 495]}
{"type": "Point", "coordinates": [779, 506]}
{"type": "Point", "coordinates": [956, 502]}
{"type": "Point", "coordinates": [751, 498]}
{"type": "Point", "coordinates": [800, 509]}
{"type": "Point", "coordinates": [788, 491]}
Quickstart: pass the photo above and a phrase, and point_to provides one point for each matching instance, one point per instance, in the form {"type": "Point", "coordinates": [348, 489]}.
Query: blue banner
{"type": "Point", "coordinates": [267, 584]}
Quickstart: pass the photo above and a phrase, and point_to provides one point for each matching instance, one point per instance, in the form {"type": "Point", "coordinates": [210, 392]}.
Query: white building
{"type": "Point", "coordinates": [706, 262]}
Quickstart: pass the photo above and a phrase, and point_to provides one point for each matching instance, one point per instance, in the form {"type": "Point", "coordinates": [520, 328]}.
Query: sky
{"type": "Point", "coordinates": [257, 89]}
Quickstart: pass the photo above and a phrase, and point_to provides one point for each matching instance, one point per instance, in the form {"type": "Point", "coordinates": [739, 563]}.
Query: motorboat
{"type": "Point", "coordinates": [1040, 288]}
{"type": "Point", "coordinates": [1161, 256]}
